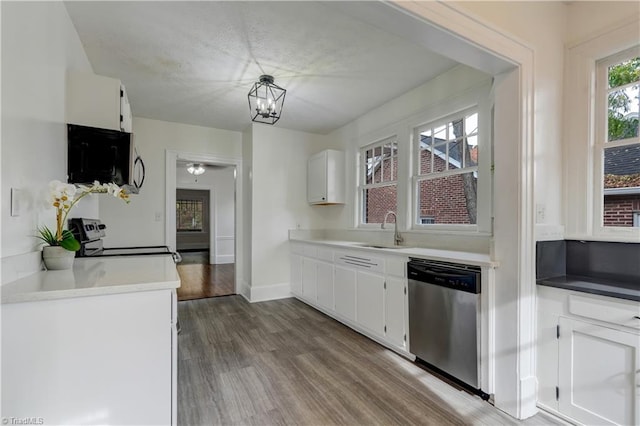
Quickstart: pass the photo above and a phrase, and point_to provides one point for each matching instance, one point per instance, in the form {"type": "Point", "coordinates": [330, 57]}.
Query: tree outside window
{"type": "Point", "coordinates": [621, 149]}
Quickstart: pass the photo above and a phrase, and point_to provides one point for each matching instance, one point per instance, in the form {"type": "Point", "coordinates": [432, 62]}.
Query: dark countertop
{"type": "Point", "coordinates": [604, 287]}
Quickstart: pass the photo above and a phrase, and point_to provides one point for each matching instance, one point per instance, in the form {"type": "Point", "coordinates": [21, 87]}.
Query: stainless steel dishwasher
{"type": "Point", "coordinates": [444, 319]}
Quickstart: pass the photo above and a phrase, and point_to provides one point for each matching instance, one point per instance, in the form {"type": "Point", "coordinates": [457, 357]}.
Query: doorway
{"type": "Point", "coordinates": [205, 230]}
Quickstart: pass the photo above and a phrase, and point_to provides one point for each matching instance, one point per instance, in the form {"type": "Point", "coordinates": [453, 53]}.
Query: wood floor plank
{"type": "Point", "coordinates": [199, 279]}
{"type": "Point", "coordinates": [284, 363]}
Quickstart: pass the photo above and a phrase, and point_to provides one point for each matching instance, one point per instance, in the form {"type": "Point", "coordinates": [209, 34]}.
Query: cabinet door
{"type": "Point", "coordinates": [317, 178]}
{"type": "Point", "coordinates": [71, 360]}
{"type": "Point", "coordinates": [394, 308]}
{"type": "Point", "coordinates": [370, 301]}
{"type": "Point", "coordinates": [325, 285]}
{"type": "Point", "coordinates": [296, 275]}
{"type": "Point", "coordinates": [345, 292]}
{"type": "Point", "coordinates": [309, 278]}
{"type": "Point", "coordinates": [598, 374]}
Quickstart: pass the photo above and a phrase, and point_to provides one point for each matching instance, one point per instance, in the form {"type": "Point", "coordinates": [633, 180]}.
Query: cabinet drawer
{"type": "Point", "coordinates": [360, 261]}
{"type": "Point", "coordinates": [619, 313]}
{"type": "Point", "coordinates": [397, 267]}
{"type": "Point", "coordinates": [297, 248]}
{"type": "Point", "coordinates": [310, 250]}
{"type": "Point", "coordinates": [325, 254]}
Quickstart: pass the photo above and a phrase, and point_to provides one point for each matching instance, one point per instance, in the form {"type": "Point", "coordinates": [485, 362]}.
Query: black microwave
{"type": "Point", "coordinates": [101, 154]}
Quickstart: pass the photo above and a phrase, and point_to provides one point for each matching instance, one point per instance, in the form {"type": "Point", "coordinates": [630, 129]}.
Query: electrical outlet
{"type": "Point", "coordinates": [158, 216]}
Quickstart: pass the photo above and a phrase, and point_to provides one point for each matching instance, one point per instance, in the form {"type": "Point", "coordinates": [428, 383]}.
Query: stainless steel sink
{"type": "Point", "coordinates": [380, 246]}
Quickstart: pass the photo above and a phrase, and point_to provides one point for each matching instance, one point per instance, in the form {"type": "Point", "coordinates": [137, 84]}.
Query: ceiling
{"type": "Point", "coordinates": [194, 62]}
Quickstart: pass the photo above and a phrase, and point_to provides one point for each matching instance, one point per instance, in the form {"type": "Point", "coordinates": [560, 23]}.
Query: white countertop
{"type": "Point", "coordinates": [95, 276]}
{"type": "Point", "coordinates": [468, 258]}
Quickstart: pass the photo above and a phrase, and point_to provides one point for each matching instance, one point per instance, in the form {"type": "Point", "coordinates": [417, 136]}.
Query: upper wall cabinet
{"type": "Point", "coordinates": [97, 101]}
{"type": "Point", "coordinates": [325, 178]}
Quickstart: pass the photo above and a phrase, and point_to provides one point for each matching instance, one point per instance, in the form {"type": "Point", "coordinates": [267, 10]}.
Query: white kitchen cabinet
{"type": "Point", "coordinates": [309, 278]}
{"type": "Point", "coordinates": [325, 178]}
{"type": "Point", "coordinates": [107, 359]}
{"type": "Point", "coordinates": [395, 311]}
{"type": "Point", "coordinates": [296, 274]}
{"type": "Point", "coordinates": [588, 356]}
{"type": "Point", "coordinates": [325, 285]}
{"type": "Point", "coordinates": [97, 101]}
{"type": "Point", "coordinates": [345, 292]}
{"type": "Point", "coordinates": [598, 369]}
{"type": "Point", "coordinates": [370, 301]}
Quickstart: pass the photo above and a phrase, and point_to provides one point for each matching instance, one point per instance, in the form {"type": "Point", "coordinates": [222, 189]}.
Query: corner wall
{"type": "Point", "coordinates": [279, 203]}
{"type": "Point", "coordinates": [39, 44]}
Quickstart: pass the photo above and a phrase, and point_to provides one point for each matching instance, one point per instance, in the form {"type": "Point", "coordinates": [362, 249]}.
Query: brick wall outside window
{"type": "Point", "coordinates": [441, 198]}
{"type": "Point", "coordinates": [619, 209]}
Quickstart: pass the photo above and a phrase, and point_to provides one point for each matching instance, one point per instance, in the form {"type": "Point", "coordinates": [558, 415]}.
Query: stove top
{"type": "Point", "coordinates": [89, 232]}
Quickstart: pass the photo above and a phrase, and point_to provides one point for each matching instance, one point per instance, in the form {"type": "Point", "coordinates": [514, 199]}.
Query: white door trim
{"type": "Point", "coordinates": [170, 197]}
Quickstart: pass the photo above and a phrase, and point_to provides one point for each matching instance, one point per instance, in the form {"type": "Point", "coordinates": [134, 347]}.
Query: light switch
{"type": "Point", "coordinates": [16, 202]}
{"type": "Point", "coordinates": [158, 216]}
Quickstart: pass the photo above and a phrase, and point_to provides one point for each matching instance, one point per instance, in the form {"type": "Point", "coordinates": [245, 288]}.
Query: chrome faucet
{"type": "Point", "coordinates": [397, 238]}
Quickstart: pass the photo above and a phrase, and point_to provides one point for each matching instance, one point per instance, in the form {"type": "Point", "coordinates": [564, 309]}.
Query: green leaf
{"type": "Point", "coordinates": [69, 242]}
{"type": "Point", "coordinates": [47, 236]}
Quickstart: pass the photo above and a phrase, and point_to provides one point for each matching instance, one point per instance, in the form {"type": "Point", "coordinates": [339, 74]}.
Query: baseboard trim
{"type": "Point", "coordinates": [224, 259]}
{"type": "Point", "coordinates": [245, 291]}
{"type": "Point", "coordinates": [270, 292]}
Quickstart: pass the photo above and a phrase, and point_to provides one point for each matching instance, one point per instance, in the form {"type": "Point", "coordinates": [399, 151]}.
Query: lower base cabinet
{"type": "Point", "coordinates": [367, 293]}
{"type": "Point", "coordinates": [370, 301]}
{"type": "Point", "coordinates": [598, 369]}
{"type": "Point", "coordinates": [588, 357]}
{"type": "Point", "coordinates": [107, 359]}
{"type": "Point", "coordinates": [345, 291]}
{"type": "Point", "coordinates": [395, 301]}
{"type": "Point", "coordinates": [325, 285]}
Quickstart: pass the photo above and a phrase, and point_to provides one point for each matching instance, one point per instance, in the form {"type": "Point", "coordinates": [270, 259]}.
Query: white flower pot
{"type": "Point", "coordinates": [56, 257]}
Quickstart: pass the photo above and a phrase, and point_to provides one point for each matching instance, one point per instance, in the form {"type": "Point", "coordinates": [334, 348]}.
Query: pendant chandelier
{"type": "Point", "coordinates": [266, 100]}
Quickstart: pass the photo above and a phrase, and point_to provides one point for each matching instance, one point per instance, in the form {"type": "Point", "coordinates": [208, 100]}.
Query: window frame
{"type": "Point", "coordinates": [482, 169]}
{"type": "Point", "coordinates": [363, 186]}
{"type": "Point", "coordinates": [600, 143]}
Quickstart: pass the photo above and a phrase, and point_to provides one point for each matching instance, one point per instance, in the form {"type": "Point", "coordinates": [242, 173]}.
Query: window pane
{"type": "Point", "coordinates": [378, 201]}
{"type": "Point", "coordinates": [621, 185]}
{"type": "Point", "coordinates": [624, 73]}
{"type": "Point", "coordinates": [439, 157]}
{"type": "Point", "coordinates": [448, 200]}
{"type": "Point", "coordinates": [189, 215]}
{"type": "Point", "coordinates": [623, 107]}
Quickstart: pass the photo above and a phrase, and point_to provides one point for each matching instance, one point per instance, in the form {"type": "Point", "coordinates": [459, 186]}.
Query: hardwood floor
{"type": "Point", "coordinates": [282, 362]}
{"type": "Point", "coordinates": [199, 279]}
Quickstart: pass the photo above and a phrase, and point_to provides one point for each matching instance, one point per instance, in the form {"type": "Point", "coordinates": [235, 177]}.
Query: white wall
{"type": "Point", "coordinates": [279, 199]}
{"type": "Point", "coordinates": [541, 26]}
{"type": "Point", "coordinates": [587, 19]}
{"type": "Point", "coordinates": [142, 222]}
{"type": "Point", "coordinates": [39, 44]}
{"type": "Point", "coordinates": [221, 183]}
{"type": "Point", "coordinates": [247, 194]}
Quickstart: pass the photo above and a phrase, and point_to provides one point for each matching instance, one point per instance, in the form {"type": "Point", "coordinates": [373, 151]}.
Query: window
{"type": "Point", "coordinates": [617, 147]}
{"type": "Point", "coordinates": [446, 171]}
{"type": "Point", "coordinates": [378, 180]}
{"type": "Point", "coordinates": [189, 215]}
